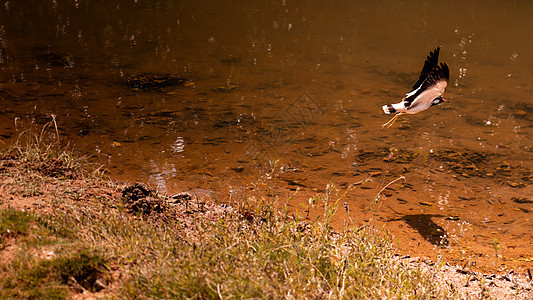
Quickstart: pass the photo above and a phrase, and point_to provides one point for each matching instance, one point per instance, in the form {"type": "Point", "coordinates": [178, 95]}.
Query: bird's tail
{"type": "Point", "coordinates": [389, 109]}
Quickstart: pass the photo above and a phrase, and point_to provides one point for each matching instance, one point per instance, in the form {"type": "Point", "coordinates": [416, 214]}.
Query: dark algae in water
{"type": "Point", "coordinates": [149, 81]}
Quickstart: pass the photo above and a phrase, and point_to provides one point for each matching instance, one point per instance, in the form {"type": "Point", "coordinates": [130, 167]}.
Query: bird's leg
{"type": "Point", "coordinates": [391, 121]}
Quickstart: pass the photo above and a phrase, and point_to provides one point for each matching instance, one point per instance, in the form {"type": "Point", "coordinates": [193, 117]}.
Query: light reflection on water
{"type": "Point", "coordinates": [178, 146]}
{"type": "Point", "coordinates": [283, 84]}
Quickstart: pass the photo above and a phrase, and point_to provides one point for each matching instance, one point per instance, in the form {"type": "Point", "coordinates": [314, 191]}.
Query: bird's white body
{"type": "Point", "coordinates": [421, 102]}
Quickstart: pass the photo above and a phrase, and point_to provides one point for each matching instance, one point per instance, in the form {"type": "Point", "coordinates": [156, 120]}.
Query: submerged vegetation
{"type": "Point", "coordinates": [65, 231]}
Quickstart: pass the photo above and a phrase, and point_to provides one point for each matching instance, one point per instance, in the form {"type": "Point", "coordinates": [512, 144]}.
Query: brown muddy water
{"type": "Point", "coordinates": [271, 100]}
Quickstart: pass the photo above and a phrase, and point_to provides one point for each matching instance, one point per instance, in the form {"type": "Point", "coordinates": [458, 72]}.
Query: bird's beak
{"type": "Point", "coordinates": [444, 100]}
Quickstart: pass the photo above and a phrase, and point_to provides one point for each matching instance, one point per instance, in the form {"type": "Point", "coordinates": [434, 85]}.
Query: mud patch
{"type": "Point", "coordinates": [139, 199]}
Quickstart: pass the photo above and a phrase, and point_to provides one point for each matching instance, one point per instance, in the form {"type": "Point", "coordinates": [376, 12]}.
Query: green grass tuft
{"type": "Point", "coordinates": [52, 278]}
{"type": "Point", "coordinates": [31, 273]}
{"type": "Point", "coordinates": [14, 222]}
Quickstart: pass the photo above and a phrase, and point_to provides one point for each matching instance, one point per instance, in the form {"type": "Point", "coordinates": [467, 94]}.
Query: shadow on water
{"type": "Point", "coordinates": [427, 228]}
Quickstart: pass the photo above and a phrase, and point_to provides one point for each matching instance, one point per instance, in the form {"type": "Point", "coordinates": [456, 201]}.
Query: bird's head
{"type": "Point", "coordinates": [438, 100]}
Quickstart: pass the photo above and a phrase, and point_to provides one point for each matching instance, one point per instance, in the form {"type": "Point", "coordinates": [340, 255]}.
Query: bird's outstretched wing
{"type": "Point", "coordinates": [433, 86]}
{"type": "Point", "coordinates": [431, 62]}
{"type": "Point", "coordinates": [439, 74]}
{"type": "Point", "coordinates": [429, 65]}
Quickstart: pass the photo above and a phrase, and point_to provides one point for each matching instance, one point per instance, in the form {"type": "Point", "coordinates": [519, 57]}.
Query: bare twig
{"type": "Point", "coordinates": [376, 199]}
{"type": "Point", "coordinates": [55, 126]}
{"type": "Point", "coordinates": [386, 186]}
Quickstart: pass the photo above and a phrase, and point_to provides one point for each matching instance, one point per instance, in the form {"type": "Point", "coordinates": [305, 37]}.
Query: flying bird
{"type": "Point", "coordinates": [426, 92]}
